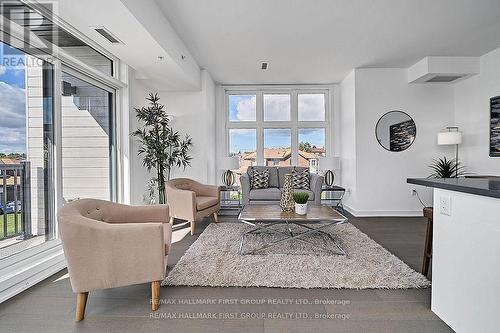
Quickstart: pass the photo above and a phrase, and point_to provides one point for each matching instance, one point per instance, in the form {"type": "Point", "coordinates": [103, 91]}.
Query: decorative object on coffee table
{"type": "Point", "coordinates": [286, 202]}
{"type": "Point", "coordinates": [300, 199]}
{"type": "Point", "coordinates": [228, 164]}
{"type": "Point", "coordinates": [328, 164]}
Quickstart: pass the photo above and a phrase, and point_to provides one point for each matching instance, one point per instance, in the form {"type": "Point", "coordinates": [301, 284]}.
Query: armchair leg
{"type": "Point", "coordinates": [81, 303]}
{"type": "Point", "coordinates": [216, 217]}
{"type": "Point", "coordinates": [171, 220]}
{"type": "Point", "coordinates": [155, 295]}
{"type": "Point", "coordinates": [192, 228]}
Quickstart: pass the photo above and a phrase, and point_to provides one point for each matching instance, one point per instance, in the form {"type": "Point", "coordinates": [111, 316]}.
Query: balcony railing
{"type": "Point", "coordinates": [15, 200]}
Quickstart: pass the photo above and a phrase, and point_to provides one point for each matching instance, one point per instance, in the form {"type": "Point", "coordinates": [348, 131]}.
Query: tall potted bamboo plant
{"type": "Point", "coordinates": [161, 146]}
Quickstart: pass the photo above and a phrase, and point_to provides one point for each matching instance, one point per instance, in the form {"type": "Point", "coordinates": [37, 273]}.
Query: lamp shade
{"type": "Point", "coordinates": [329, 163]}
{"type": "Point", "coordinates": [230, 163]}
{"type": "Point", "coordinates": [450, 138]}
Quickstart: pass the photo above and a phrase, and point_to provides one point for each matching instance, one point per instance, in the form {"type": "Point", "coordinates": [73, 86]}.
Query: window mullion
{"type": "Point", "coordinates": [293, 125]}
{"type": "Point", "coordinates": [260, 131]}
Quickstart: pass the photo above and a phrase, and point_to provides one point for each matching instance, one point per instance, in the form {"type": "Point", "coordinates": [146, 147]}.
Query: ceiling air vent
{"type": "Point", "coordinates": [264, 65]}
{"type": "Point", "coordinates": [108, 35]}
{"type": "Point", "coordinates": [444, 78]}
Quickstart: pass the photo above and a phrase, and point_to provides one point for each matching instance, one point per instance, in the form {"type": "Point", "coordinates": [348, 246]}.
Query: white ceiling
{"type": "Point", "coordinates": [320, 41]}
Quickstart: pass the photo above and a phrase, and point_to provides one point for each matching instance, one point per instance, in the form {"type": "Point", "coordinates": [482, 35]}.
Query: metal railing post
{"type": "Point", "coordinates": [26, 199]}
{"type": "Point", "coordinates": [4, 202]}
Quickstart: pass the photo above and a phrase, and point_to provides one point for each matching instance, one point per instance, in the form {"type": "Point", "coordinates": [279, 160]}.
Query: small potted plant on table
{"type": "Point", "coordinates": [300, 199]}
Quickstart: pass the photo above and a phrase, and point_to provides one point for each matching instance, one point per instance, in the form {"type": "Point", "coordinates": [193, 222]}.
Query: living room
{"type": "Point", "coordinates": [249, 166]}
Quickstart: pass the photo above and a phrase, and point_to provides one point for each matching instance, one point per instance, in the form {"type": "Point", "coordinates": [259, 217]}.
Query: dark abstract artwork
{"type": "Point", "coordinates": [402, 135]}
{"type": "Point", "coordinates": [495, 126]}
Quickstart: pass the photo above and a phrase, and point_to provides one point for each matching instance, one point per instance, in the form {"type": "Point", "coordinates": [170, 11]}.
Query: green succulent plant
{"type": "Point", "coordinates": [300, 197]}
{"type": "Point", "coordinates": [444, 168]}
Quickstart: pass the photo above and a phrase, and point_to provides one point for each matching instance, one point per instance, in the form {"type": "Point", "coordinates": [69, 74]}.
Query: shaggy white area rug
{"type": "Point", "coordinates": [213, 260]}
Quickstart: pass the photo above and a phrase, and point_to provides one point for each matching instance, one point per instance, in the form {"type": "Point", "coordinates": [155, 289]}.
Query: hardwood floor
{"type": "Point", "coordinates": [50, 306]}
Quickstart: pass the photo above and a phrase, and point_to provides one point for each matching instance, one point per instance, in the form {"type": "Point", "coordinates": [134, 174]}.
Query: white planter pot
{"type": "Point", "coordinates": [301, 209]}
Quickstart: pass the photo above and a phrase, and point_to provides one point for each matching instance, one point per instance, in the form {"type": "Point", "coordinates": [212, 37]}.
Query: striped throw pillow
{"type": "Point", "coordinates": [300, 179]}
{"type": "Point", "coordinates": [260, 179]}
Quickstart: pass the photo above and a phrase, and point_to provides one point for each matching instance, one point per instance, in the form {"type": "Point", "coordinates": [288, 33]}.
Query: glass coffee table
{"type": "Point", "coordinates": [265, 217]}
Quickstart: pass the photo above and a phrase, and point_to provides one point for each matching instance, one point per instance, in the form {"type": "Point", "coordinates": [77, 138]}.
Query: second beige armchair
{"type": "Point", "coordinates": [191, 201]}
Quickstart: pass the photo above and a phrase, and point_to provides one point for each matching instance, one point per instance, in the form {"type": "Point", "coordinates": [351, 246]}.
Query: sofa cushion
{"type": "Point", "coordinates": [265, 194]}
{"type": "Point", "coordinates": [203, 202]}
{"type": "Point", "coordinates": [300, 179]}
{"type": "Point", "coordinates": [273, 174]}
{"type": "Point", "coordinates": [282, 171]}
{"type": "Point", "coordinates": [260, 178]}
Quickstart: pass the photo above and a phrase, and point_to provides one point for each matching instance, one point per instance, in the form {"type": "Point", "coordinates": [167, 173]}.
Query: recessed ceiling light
{"type": "Point", "coordinates": [264, 65]}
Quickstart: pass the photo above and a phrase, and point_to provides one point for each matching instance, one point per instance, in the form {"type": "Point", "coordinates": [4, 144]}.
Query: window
{"type": "Point", "coordinates": [311, 107]}
{"type": "Point", "coordinates": [278, 127]}
{"type": "Point", "coordinates": [242, 143]}
{"type": "Point", "coordinates": [312, 143]}
{"type": "Point", "coordinates": [242, 108]}
{"type": "Point", "coordinates": [26, 134]}
{"type": "Point", "coordinates": [56, 138]}
{"type": "Point", "coordinates": [277, 146]}
{"type": "Point", "coordinates": [51, 34]}
{"type": "Point", "coordinates": [276, 107]}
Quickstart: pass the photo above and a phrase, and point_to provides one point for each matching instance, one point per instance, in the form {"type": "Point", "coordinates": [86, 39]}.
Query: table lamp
{"type": "Point", "coordinates": [327, 164]}
{"type": "Point", "coordinates": [452, 136]}
{"type": "Point", "coordinates": [228, 164]}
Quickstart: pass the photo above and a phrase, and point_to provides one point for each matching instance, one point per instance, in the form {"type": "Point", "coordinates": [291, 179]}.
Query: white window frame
{"type": "Point", "coordinates": [293, 124]}
{"type": "Point", "coordinates": [26, 268]}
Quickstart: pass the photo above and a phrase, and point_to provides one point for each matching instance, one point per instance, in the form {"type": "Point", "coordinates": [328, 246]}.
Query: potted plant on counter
{"type": "Point", "coordinates": [300, 199]}
{"type": "Point", "coordinates": [444, 168]}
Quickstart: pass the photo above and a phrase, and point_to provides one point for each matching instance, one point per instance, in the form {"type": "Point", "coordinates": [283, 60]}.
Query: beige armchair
{"type": "Point", "coordinates": [191, 201]}
{"type": "Point", "coordinates": [111, 245]}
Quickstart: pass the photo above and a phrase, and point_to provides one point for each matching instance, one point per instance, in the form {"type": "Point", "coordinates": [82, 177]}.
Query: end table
{"type": "Point", "coordinates": [333, 197]}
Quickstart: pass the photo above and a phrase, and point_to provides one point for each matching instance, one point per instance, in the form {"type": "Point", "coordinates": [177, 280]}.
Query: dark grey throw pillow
{"type": "Point", "coordinates": [260, 178]}
{"type": "Point", "coordinates": [300, 179]}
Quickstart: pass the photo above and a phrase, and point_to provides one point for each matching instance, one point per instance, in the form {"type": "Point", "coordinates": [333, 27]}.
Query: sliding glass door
{"type": "Point", "coordinates": [87, 138]}
{"type": "Point", "coordinates": [26, 151]}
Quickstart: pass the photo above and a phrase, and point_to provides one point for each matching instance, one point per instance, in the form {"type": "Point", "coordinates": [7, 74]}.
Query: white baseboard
{"type": "Point", "coordinates": [381, 213]}
{"type": "Point", "coordinates": [22, 271]}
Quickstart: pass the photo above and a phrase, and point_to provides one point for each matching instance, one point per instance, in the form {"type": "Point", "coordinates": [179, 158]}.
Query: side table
{"type": "Point", "coordinates": [332, 196]}
{"type": "Point", "coordinates": [230, 199]}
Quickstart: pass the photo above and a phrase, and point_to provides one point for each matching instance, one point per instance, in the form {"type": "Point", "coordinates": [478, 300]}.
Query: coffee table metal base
{"type": "Point", "coordinates": [290, 236]}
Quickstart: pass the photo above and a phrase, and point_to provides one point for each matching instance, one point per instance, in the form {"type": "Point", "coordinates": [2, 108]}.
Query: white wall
{"type": "Point", "coordinates": [472, 115]}
{"type": "Point", "coordinates": [194, 114]}
{"type": "Point", "coordinates": [348, 136]}
{"type": "Point", "coordinates": [379, 186]}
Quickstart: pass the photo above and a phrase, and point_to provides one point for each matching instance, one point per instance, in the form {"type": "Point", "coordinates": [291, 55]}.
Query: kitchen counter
{"type": "Point", "coordinates": [465, 252]}
{"type": "Point", "coordinates": [478, 186]}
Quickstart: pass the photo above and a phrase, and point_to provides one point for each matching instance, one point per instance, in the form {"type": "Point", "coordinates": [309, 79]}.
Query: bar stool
{"type": "Point", "coordinates": [428, 212]}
